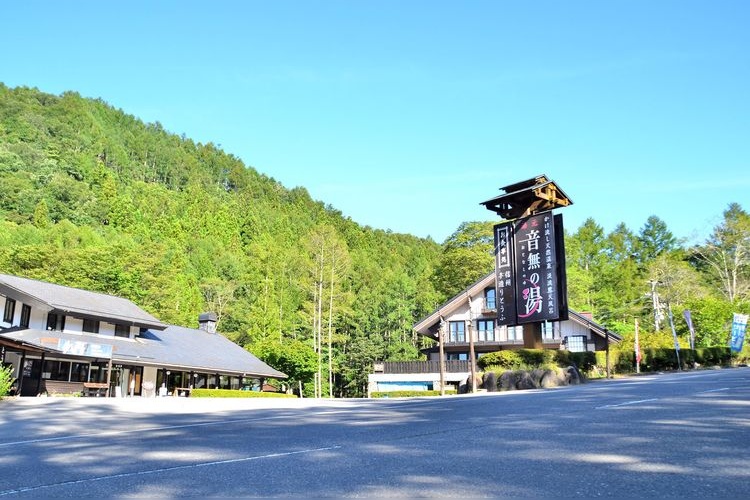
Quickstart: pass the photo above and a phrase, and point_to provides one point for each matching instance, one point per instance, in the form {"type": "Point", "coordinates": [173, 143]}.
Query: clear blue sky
{"type": "Point", "coordinates": [405, 115]}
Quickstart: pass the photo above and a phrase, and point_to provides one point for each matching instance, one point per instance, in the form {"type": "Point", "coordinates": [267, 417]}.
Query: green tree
{"type": "Point", "coordinates": [468, 254]}
{"type": "Point", "coordinates": [41, 214]}
{"type": "Point", "coordinates": [725, 257]}
{"type": "Point", "coordinates": [654, 239]}
{"type": "Point", "coordinates": [294, 358]}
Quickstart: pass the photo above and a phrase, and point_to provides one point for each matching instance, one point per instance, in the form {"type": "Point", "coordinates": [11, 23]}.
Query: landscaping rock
{"type": "Point", "coordinates": [489, 383]}
{"type": "Point", "coordinates": [507, 382]}
{"type": "Point", "coordinates": [551, 379]}
{"type": "Point", "coordinates": [524, 381]}
{"type": "Point", "coordinates": [573, 376]}
{"type": "Point", "coordinates": [536, 376]}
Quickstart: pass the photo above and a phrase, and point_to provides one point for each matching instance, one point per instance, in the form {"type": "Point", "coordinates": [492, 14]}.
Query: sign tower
{"type": "Point", "coordinates": [530, 256]}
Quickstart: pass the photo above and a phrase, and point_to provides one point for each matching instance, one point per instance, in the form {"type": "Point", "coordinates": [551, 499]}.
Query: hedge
{"type": "Point", "coordinates": [233, 393]}
{"type": "Point", "coordinates": [535, 358]}
{"type": "Point", "coordinates": [660, 359]}
{"type": "Point", "coordinates": [408, 394]}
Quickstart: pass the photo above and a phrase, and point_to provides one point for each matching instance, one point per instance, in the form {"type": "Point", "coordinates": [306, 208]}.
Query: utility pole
{"type": "Point", "coordinates": [655, 302]}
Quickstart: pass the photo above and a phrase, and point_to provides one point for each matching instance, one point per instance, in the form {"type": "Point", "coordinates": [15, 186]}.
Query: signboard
{"type": "Point", "coordinates": [78, 348]}
{"type": "Point", "coordinates": [535, 269]}
{"type": "Point", "coordinates": [739, 324]}
{"type": "Point", "coordinates": [530, 270]}
{"type": "Point", "coordinates": [505, 284]}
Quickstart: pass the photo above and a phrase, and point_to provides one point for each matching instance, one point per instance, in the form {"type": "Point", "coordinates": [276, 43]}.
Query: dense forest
{"type": "Point", "coordinates": [93, 197]}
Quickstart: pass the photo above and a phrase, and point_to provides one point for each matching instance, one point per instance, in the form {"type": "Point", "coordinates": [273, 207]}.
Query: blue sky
{"type": "Point", "coordinates": [405, 115]}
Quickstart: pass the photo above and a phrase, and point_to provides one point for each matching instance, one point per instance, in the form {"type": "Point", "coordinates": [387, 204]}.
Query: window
{"type": "Point", "coordinates": [56, 322]}
{"type": "Point", "coordinates": [489, 298]}
{"type": "Point", "coordinates": [486, 330]}
{"type": "Point", "coordinates": [10, 310]}
{"type": "Point", "coordinates": [91, 326]}
{"type": "Point", "coordinates": [122, 331]}
{"type": "Point", "coordinates": [515, 333]}
{"type": "Point", "coordinates": [548, 330]}
{"type": "Point", "coordinates": [457, 356]}
{"type": "Point", "coordinates": [457, 331]}
{"type": "Point", "coordinates": [57, 370]}
{"type": "Point", "coordinates": [25, 315]}
{"type": "Point", "coordinates": [79, 372]}
{"type": "Point", "coordinates": [577, 343]}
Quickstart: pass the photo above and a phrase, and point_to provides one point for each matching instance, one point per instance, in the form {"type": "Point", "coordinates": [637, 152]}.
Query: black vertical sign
{"type": "Point", "coordinates": [562, 278]}
{"type": "Point", "coordinates": [504, 275]}
{"type": "Point", "coordinates": [535, 269]}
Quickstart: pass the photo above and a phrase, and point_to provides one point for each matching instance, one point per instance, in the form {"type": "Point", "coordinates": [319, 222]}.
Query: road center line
{"type": "Point", "coordinates": [164, 469]}
{"type": "Point", "coordinates": [714, 390]}
{"type": "Point", "coordinates": [626, 403]}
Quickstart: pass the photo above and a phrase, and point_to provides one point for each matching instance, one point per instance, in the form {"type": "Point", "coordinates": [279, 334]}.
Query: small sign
{"type": "Point", "coordinates": [504, 276]}
{"type": "Point", "coordinates": [739, 324]}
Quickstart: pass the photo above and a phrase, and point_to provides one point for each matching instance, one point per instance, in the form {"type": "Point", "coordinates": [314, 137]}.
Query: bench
{"type": "Point", "coordinates": [54, 387]}
{"type": "Point", "coordinates": [95, 389]}
{"type": "Point", "coordinates": [182, 391]}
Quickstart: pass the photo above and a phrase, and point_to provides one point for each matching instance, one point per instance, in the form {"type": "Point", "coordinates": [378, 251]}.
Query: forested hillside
{"type": "Point", "coordinates": [94, 198]}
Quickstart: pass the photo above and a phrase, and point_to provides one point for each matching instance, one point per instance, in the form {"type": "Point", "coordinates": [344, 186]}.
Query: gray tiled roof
{"type": "Point", "coordinates": [176, 347]}
{"type": "Point", "coordinates": [75, 301]}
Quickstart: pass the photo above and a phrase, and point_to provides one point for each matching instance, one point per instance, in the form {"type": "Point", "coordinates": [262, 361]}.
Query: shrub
{"type": "Point", "coordinates": [6, 380]}
{"type": "Point", "coordinates": [508, 360]}
{"type": "Point", "coordinates": [532, 358]}
{"type": "Point", "coordinates": [408, 394]}
{"type": "Point", "coordinates": [232, 393]}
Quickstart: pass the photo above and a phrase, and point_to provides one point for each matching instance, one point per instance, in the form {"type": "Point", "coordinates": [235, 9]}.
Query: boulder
{"type": "Point", "coordinates": [489, 382]}
{"type": "Point", "coordinates": [536, 376]}
{"type": "Point", "coordinates": [524, 381]}
{"type": "Point", "coordinates": [507, 382]}
{"type": "Point", "coordinates": [551, 379]}
{"type": "Point", "coordinates": [573, 376]}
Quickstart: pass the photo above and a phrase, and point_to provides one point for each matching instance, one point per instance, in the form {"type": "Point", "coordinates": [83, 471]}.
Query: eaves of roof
{"type": "Point", "coordinates": [423, 326]}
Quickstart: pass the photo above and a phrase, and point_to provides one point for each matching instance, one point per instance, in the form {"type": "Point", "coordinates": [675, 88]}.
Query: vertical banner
{"type": "Point", "coordinates": [562, 278]}
{"type": "Point", "coordinates": [739, 324]}
{"type": "Point", "coordinates": [689, 321]}
{"type": "Point", "coordinates": [637, 348]}
{"type": "Point", "coordinates": [505, 286]}
{"type": "Point", "coordinates": [535, 269]}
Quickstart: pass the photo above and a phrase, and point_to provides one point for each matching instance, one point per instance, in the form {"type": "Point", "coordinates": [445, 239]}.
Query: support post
{"type": "Point", "coordinates": [442, 355]}
{"type": "Point", "coordinates": [109, 376]}
{"type": "Point", "coordinates": [472, 360]}
{"type": "Point", "coordinates": [41, 375]}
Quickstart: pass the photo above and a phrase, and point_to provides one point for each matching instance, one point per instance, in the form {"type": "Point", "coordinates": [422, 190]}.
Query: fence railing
{"type": "Point", "coordinates": [452, 366]}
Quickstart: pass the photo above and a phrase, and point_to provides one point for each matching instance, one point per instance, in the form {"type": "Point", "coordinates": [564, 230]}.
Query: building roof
{"type": "Point", "coordinates": [77, 302]}
{"type": "Point", "coordinates": [423, 327]}
{"type": "Point", "coordinates": [159, 344]}
{"type": "Point", "coordinates": [175, 347]}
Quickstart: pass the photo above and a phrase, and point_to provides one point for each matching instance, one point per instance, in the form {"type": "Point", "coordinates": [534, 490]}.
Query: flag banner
{"type": "Point", "coordinates": [689, 321]}
{"type": "Point", "coordinates": [739, 324]}
{"type": "Point", "coordinates": [637, 344]}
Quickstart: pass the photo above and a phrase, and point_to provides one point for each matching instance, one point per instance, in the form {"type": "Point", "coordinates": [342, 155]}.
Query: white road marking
{"type": "Point", "coordinates": [627, 403]}
{"type": "Point", "coordinates": [715, 390]}
{"type": "Point", "coordinates": [154, 429]}
{"type": "Point", "coordinates": [164, 469]}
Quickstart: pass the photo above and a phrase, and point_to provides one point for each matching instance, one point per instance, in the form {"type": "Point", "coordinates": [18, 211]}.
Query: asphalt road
{"type": "Point", "coordinates": [681, 435]}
